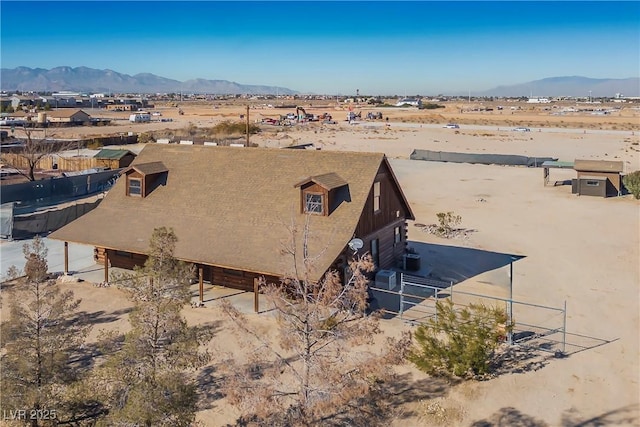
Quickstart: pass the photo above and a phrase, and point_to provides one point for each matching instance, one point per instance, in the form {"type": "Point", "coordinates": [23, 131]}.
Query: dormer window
{"type": "Point", "coordinates": [143, 178]}
{"type": "Point", "coordinates": [314, 203]}
{"type": "Point", "coordinates": [322, 194]}
{"type": "Point", "coordinates": [134, 186]}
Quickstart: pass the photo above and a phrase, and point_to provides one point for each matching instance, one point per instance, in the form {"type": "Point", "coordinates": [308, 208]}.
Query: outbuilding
{"type": "Point", "coordinates": [114, 159]}
{"type": "Point", "coordinates": [598, 178]}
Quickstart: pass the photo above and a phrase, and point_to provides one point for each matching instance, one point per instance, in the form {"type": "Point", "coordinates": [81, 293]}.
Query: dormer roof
{"type": "Point", "coordinates": [328, 181]}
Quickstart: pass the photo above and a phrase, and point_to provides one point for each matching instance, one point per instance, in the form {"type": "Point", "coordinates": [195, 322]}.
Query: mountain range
{"type": "Point", "coordinates": [576, 86]}
{"type": "Point", "coordinates": [90, 80]}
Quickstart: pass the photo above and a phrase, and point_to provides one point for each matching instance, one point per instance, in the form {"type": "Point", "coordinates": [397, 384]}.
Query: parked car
{"type": "Point", "coordinates": [522, 129]}
{"type": "Point", "coordinates": [451, 126]}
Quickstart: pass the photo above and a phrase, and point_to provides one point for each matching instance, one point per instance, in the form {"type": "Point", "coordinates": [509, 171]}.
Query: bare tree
{"type": "Point", "coordinates": [322, 366]}
{"type": "Point", "coordinates": [25, 159]}
{"type": "Point", "coordinates": [147, 381]}
{"type": "Point", "coordinates": [38, 342]}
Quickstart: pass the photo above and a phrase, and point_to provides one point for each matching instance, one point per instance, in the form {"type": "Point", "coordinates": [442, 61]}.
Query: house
{"type": "Point", "coordinates": [68, 117]}
{"type": "Point", "coordinates": [232, 210]}
{"type": "Point", "coordinates": [114, 159]}
{"type": "Point", "coordinates": [598, 178]}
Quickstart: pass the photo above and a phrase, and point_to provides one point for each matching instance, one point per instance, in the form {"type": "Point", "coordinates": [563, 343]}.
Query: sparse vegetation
{"type": "Point", "coordinates": [459, 343]}
{"type": "Point", "coordinates": [40, 342]}
{"type": "Point", "coordinates": [145, 138]}
{"type": "Point", "coordinates": [631, 182]}
{"type": "Point", "coordinates": [430, 106]}
{"type": "Point", "coordinates": [234, 128]}
{"type": "Point", "coordinates": [446, 223]}
{"type": "Point", "coordinates": [147, 382]}
{"type": "Point", "coordinates": [317, 372]}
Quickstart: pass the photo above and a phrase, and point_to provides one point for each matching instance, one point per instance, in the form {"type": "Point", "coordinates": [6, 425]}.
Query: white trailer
{"type": "Point", "coordinates": [140, 118]}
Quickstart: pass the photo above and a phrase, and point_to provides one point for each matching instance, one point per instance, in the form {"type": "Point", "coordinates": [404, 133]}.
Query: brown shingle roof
{"type": "Point", "coordinates": [149, 168]}
{"type": "Point", "coordinates": [328, 181]}
{"type": "Point", "coordinates": [231, 207]}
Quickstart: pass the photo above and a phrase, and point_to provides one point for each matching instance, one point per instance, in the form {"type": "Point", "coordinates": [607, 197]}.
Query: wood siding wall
{"type": "Point", "coordinates": [236, 279]}
{"type": "Point", "coordinates": [391, 206]}
{"type": "Point", "coordinates": [614, 180]}
{"type": "Point", "coordinates": [389, 252]}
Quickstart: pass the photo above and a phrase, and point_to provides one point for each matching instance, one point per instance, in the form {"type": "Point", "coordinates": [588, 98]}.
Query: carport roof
{"type": "Point", "coordinates": [556, 164]}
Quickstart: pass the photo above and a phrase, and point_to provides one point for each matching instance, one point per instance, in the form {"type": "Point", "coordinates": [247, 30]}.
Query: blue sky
{"type": "Point", "coordinates": [329, 46]}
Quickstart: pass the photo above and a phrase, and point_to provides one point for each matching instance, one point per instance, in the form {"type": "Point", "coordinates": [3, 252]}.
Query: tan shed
{"type": "Point", "coordinates": [604, 173]}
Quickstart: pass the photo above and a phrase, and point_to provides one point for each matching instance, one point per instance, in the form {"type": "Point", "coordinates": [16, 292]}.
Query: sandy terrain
{"type": "Point", "coordinates": [582, 250]}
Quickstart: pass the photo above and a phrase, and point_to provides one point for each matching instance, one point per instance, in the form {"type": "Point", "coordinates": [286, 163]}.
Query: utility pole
{"type": "Point", "coordinates": [247, 125]}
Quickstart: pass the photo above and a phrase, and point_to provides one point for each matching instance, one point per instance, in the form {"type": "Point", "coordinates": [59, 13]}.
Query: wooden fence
{"type": "Point", "coordinates": [48, 162]}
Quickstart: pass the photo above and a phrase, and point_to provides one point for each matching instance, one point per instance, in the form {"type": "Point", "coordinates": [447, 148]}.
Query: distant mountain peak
{"type": "Point", "coordinates": [85, 79]}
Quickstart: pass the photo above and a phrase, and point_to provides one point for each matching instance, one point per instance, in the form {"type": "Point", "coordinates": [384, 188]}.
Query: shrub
{"type": "Point", "coordinates": [430, 106]}
{"type": "Point", "coordinates": [446, 222]}
{"type": "Point", "coordinates": [145, 137]}
{"type": "Point", "coordinates": [231, 128]}
{"type": "Point", "coordinates": [631, 182]}
{"type": "Point", "coordinates": [459, 343]}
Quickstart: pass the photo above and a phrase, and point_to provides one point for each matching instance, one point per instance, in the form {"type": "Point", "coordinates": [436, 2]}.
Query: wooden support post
{"type": "Point", "coordinates": [106, 266]}
{"type": "Point", "coordinates": [256, 303]}
{"type": "Point", "coordinates": [201, 281]}
{"type": "Point", "coordinates": [66, 258]}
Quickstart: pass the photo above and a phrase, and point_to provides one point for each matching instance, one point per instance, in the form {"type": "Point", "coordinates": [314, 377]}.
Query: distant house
{"type": "Point", "coordinates": [413, 102]}
{"type": "Point", "coordinates": [68, 116]}
{"type": "Point", "coordinates": [114, 159]}
{"type": "Point", "coordinates": [232, 209]}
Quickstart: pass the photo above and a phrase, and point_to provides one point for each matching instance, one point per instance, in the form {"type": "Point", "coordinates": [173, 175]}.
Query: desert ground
{"type": "Point", "coordinates": [583, 250]}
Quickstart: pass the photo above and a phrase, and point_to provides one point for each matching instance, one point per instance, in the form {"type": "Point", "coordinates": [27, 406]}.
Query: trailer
{"type": "Point", "coordinates": [140, 117]}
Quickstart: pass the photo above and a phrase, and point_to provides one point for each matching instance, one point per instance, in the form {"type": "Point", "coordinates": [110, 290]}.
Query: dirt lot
{"type": "Point", "coordinates": [582, 250]}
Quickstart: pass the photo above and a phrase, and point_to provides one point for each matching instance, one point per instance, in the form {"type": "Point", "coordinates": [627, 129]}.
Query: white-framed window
{"type": "Point", "coordinates": [593, 183]}
{"type": "Point", "coordinates": [313, 203]}
{"type": "Point", "coordinates": [397, 235]}
{"type": "Point", "coordinates": [376, 196]}
{"type": "Point", "coordinates": [135, 187]}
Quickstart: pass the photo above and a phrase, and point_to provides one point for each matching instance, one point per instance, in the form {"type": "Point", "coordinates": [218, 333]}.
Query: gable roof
{"type": "Point", "coordinates": [232, 207]}
{"type": "Point", "coordinates": [65, 113]}
{"type": "Point", "coordinates": [110, 154]}
{"type": "Point", "coordinates": [328, 181]}
{"type": "Point", "coordinates": [149, 168]}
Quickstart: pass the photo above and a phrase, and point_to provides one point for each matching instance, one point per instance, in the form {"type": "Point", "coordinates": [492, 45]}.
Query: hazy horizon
{"type": "Point", "coordinates": [330, 47]}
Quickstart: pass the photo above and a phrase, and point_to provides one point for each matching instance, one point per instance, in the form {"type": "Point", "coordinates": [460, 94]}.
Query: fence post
{"type": "Point", "coordinates": [256, 301]}
{"type": "Point", "coordinates": [437, 290]}
{"type": "Point", "coordinates": [564, 328]}
{"type": "Point", "coordinates": [401, 294]}
{"type": "Point", "coordinates": [451, 293]}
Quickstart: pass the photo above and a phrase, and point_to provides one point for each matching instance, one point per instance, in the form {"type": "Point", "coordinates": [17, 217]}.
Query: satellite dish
{"type": "Point", "coordinates": [356, 244]}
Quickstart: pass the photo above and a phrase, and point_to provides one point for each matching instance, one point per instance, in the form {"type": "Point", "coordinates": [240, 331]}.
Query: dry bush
{"type": "Point", "coordinates": [323, 367]}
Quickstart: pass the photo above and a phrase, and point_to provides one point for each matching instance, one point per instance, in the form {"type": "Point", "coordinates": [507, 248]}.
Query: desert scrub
{"type": "Point", "coordinates": [631, 182]}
